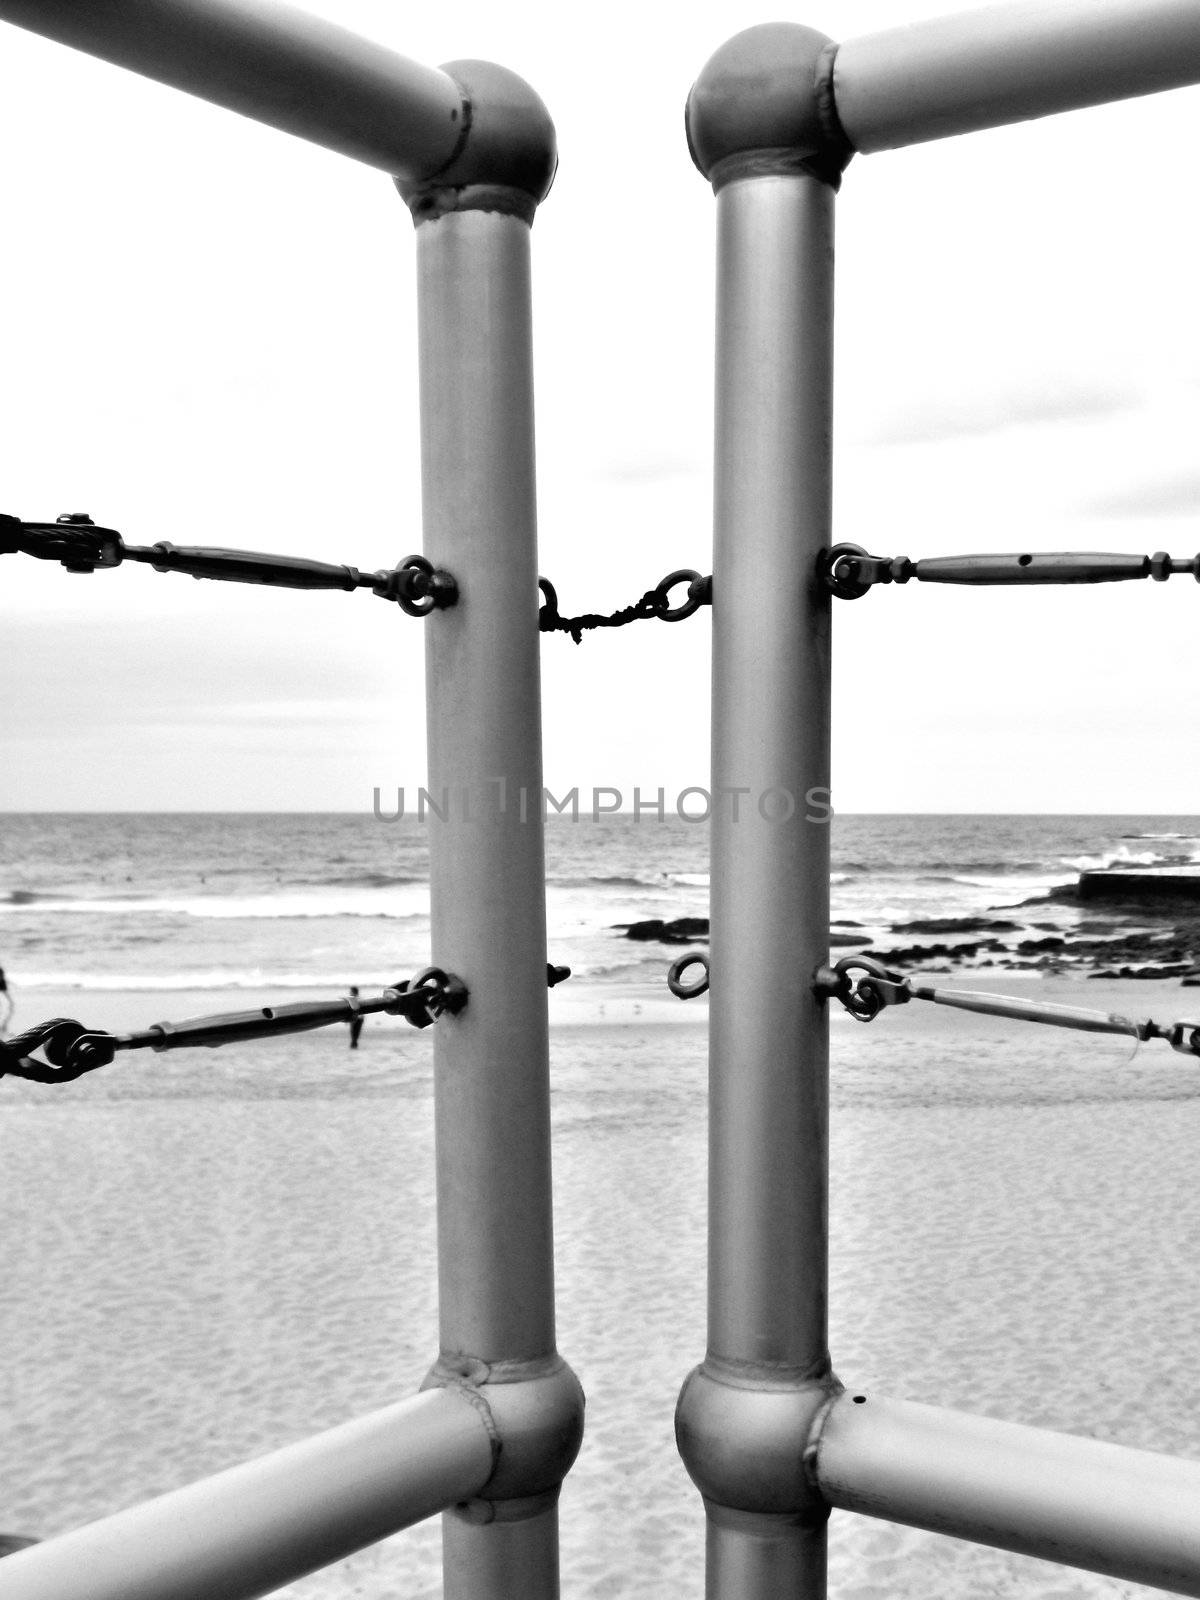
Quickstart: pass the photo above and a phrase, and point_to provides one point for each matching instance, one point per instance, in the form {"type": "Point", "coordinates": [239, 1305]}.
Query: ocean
{"type": "Point", "coordinates": [210, 1253]}
{"type": "Point", "coordinates": [193, 903]}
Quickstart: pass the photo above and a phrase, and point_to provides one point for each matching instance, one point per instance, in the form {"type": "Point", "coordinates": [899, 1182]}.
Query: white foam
{"type": "Point", "coordinates": [1122, 856]}
{"type": "Point", "coordinates": [396, 904]}
{"type": "Point", "coordinates": [212, 979]}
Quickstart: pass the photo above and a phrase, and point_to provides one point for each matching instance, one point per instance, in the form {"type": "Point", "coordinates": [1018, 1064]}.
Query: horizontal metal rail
{"type": "Point", "coordinates": [248, 1531]}
{"type": "Point", "coordinates": [1010, 63]}
{"type": "Point", "coordinates": [1132, 1514]}
{"type": "Point", "coordinates": [295, 72]}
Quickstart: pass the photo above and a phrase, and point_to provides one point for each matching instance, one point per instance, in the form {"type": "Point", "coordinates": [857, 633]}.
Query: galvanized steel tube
{"type": "Point", "coordinates": [1130, 1513]}
{"type": "Point", "coordinates": [1008, 63]}
{"type": "Point", "coordinates": [768, 1072]}
{"type": "Point", "coordinates": [753, 1557]}
{"type": "Point", "coordinates": [770, 775]}
{"type": "Point", "coordinates": [486, 853]}
{"type": "Point", "coordinates": [495, 1234]}
{"type": "Point", "coordinates": [500, 1560]}
{"type": "Point", "coordinates": [291, 70]}
{"type": "Point", "coordinates": [248, 1531]}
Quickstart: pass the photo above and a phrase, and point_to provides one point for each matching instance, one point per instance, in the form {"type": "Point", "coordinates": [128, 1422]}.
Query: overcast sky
{"type": "Point", "coordinates": [210, 338]}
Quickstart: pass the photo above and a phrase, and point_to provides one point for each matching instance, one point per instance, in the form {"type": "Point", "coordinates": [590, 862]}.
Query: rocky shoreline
{"type": "Point", "coordinates": [1067, 932]}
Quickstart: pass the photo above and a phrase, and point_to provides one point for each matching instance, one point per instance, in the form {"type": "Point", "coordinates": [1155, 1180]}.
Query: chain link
{"type": "Point", "coordinates": [675, 972]}
{"type": "Point", "coordinates": [655, 603]}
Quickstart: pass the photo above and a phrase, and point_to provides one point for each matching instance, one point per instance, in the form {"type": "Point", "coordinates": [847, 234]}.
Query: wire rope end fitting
{"type": "Point", "coordinates": [763, 104]}
{"type": "Point", "coordinates": [507, 152]}
{"type": "Point", "coordinates": [417, 587]}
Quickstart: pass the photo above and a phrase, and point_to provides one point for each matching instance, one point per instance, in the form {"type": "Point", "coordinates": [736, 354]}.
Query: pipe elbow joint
{"type": "Point", "coordinates": [748, 1442]}
{"type": "Point", "coordinates": [507, 152]}
{"type": "Point", "coordinates": [533, 1411]}
{"type": "Point", "coordinates": [763, 103]}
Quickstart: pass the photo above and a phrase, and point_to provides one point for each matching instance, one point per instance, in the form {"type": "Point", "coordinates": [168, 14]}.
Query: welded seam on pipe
{"type": "Point", "coordinates": [826, 99]}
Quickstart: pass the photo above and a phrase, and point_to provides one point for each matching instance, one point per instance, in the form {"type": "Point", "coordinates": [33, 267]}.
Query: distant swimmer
{"type": "Point", "coordinates": [6, 1004]}
{"type": "Point", "coordinates": [356, 1023]}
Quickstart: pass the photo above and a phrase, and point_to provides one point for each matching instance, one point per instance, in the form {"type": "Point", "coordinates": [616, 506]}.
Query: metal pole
{"type": "Point", "coordinates": [1129, 1513]}
{"type": "Point", "coordinates": [248, 1531]}
{"type": "Point", "coordinates": [293, 71]}
{"type": "Point", "coordinates": [487, 873]}
{"type": "Point", "coordinates": [770, 733]}
{"type": "Point", "coordinates": [1002, 64]}
{"type": "Point", "coordinates": [768, 1068]}
{"type": "Point", "coordinates": [486, 862]}
{"type": "Point", "coordinates": [745, 1413]}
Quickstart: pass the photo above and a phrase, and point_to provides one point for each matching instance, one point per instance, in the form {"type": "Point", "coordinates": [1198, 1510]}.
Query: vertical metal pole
{"type": "Point", "coordinates": [746, 1414]}
{"type": "Point", "coordinates": [755, 1556]}
{"type": "Point", "coordinates": [768, 1071]}
{"type": "Point", "coordinates": [487, 870]}
{"type": "Point", "coordinates": [770, 858]}
{"type": "Point", "coordinates": [495, 1239]}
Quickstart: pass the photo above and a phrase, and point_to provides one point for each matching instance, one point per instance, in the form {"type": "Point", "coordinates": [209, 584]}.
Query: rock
{"type": "Point", "coordinates": [919, 953]}
{"type": "Point", "coordinates": [1119, 883]}
{"type": "Point", "coordinates": [838, 940]}
{"type": "Point", "coordinates": [1171, 971]}
{"type": "Point", "coordinates": [683, 930]}
{"type": "Point", "coordinates": [1031, 946]}
{"type": "Point", "coordinates": [1061, 891]}
{"type": "Point", "coordinates": [957, 925]}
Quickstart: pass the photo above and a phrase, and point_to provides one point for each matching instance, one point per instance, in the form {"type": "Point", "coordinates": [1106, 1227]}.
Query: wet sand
{"type": "Point", "coordinates": [212, 1253]}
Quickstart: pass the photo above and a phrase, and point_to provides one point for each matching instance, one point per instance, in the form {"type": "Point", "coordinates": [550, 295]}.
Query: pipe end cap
{"type": "Point", "coordinates": [764, 103]}
{"type": "Point", "coordinates": [507, 147]}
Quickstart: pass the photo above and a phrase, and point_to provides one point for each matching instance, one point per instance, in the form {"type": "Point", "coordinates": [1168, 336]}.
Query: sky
{"type": "Point", "coordinates": [210, 338]}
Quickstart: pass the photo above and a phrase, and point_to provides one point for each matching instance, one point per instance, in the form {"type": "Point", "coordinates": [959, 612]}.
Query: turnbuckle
{"type": "Point", "coordinates": [80, 546]}
{"type": "Point", "coordinates": [866, 996]}
{"type": "Point", "coordinates": [849, 571]}
{"type": "Point", "coordinates": [70, 1049]}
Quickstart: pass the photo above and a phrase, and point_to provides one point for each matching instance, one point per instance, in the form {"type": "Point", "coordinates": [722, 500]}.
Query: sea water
{"type": "Point", "coordinates": [200, 902]}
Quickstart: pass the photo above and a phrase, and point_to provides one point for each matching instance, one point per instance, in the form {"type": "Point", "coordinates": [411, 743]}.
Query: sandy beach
{"type": "Point", "coordinates": [213, 1253]}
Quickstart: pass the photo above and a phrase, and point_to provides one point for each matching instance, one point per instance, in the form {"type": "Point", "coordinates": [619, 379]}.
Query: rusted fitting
{"type": "Point", "coordinates": [747, 1438]}
{"type": "Point", "coordinates": [534, 1414]}
{"type": "Point", "coordinates": [507, 153]}
{"type": "Point", "coordinates": [764, 103]}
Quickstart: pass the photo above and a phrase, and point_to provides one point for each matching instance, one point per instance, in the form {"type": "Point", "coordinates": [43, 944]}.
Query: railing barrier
{"type": "Point", "coordinates": [764, 1426]}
